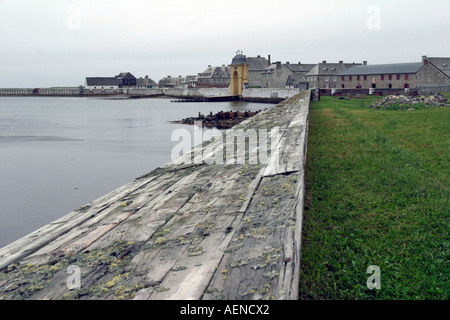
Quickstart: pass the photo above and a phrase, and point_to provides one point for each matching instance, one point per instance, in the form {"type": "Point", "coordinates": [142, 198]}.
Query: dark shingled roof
{"type": "Point", "coordinates": [101, 81]}
{"type": "Point", "coordinates": [257, 63]}
{"type": "Point", "coordinates": [297, 67]}
{"type": "Point", "coordinates": [394, 68]}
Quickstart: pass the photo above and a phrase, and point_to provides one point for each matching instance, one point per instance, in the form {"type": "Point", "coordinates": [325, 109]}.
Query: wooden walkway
{"type": "Point", "coordinates": [183, 231]}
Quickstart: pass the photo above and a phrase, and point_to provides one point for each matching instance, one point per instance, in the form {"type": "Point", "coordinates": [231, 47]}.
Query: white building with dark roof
{"type": "Point", "coordinates": [102, 83]}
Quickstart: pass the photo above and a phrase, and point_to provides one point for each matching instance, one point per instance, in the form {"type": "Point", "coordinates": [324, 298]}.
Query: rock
{"type": "Point", "coordinates": [220, 120]}
{"type": "Point", "coordinates": [436, 100]}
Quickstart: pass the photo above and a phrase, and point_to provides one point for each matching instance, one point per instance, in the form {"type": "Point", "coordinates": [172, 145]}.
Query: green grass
{"type": "Point", "coordinates": [377, 193]}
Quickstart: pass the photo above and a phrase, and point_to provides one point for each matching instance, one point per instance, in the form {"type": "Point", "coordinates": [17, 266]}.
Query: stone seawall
{"type": "Point", "coordinates": [271, 95]}
{"type": "Point", "coordinates": [189, 230]}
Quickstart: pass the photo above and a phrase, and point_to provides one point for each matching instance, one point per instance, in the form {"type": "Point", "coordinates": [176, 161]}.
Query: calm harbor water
{"type": "Point", "coordinates": [59, 153]}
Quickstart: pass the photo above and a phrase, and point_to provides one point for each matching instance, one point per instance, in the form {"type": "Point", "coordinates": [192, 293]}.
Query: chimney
{"type": "Point", "coordinates": [278, 65]}
{"type": "Point", "coordinates": [365, 63]}
{"type": "Point", "coordinates": [424, 59]}
{"type": "Point", "coordinates": [269, 60]}
{"type": "Point", "coordinates": [341, 61]}
{"type": "Point", "coordinates": [299, 62]}
{"type": "Point", "coordinates": [259, 56]}
{"type": "Point", "coordinates": [287, 62]}
{"type": "Point", "coordinates": [324, 61]}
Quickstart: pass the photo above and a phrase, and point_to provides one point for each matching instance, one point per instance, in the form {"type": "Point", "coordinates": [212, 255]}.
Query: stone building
{"type": "Point", "coordinates": [442, 63]}
{"type": "Point", "coordinates": [392, 76]}
{"type": "Point", "coordinates": [431, 75]}
{"type": "Point", "coordinates": [256, 66]}
{"type": "Point", "coordinates": [190, 82]}
{"type": "Point", "coordinates": [286, 75]}
{"type": "Point", "coordinates": [171, 82]}
{"type": "Point", "coordinates": [325, 75]}
{"type": "Point", "coordinates": [214, 77]}
{"type": "Point", "coordinates": [145, 83]}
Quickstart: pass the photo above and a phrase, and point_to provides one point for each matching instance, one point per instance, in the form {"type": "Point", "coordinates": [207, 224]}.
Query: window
{"type": "Point", "coordinates": [343, 78]}
{"type": "Point", "coordinates": [382, 77]}
{"type": "Point", "coordinates": [390, 77]}
{"type": "Point", "coordinates": [343, 86]}
{"type": "Point", "coordinates": [406, 85]}
{"type": "Point", "coordinates": [390, 85]}
{"type": "Point", "coordinates": [365, 78]}
{"type": "Point", "coordinates": [350, 78]}
{"type": "Point", "coordinates": [357, 78]}
{"type": "Point", "coordinates": [398, 77]}
{"type": "Point", "coordinates": [406, 77]}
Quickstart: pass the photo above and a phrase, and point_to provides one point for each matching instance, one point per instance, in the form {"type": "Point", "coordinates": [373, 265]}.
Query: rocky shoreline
{"type": "Point", "coordinates": [220, 120]}
{"type": "Point", "coordinates": [437, 100]}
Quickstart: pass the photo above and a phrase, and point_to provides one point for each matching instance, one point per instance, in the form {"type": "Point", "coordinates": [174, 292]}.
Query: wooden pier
{"type": "Point", "coordinates": [188, 230]}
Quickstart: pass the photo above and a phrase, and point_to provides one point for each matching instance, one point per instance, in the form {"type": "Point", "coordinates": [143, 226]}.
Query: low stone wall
{"type": "Point", "coordinates": [433, 89]}
{"type": "Point", "coordinates": [269, 93]}
{"type": "Point", "coordinates": [146, 92]}
{"type": "Point", "coordinates": [196, 92]}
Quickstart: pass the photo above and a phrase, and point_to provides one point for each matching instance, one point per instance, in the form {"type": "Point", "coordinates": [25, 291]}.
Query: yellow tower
{"type": "Point", "coordinates": [238, 73]}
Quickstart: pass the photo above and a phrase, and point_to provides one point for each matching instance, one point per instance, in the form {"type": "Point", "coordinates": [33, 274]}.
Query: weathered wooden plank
{"type": "Point", "coordinates": [189, 277]}
{"type": "Point", "coordinates": [189, 230]}
{"type": "Point", "coordinates": [289, 154]}
{"type": "Point", "coordinates": [257, 260]}
{"type": "Point", "coordinates": [156, 212]}
{"type": "Point", "coordinates": [84, 234]}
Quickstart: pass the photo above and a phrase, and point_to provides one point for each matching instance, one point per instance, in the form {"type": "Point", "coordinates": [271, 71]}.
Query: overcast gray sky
{"type": "Point", "coordinates": [61, 42]}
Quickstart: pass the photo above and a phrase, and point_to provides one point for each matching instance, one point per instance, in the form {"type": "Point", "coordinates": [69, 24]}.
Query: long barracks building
{"type": "Point", "coordinates": [393, 76]}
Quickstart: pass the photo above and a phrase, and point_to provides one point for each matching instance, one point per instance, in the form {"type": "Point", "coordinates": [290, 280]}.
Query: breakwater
{"type": "Point", "coordinates": [220, 120]}
{"type": "Point", "coordinates": [187, 230]}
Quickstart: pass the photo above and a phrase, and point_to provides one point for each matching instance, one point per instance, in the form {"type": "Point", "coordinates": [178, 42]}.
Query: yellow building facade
{"type": "Point", "coordinates": [238, 73]}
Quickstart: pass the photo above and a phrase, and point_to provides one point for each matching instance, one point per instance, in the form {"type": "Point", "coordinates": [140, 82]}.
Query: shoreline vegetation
{"type": "Point", "coordinates": [377, 186]}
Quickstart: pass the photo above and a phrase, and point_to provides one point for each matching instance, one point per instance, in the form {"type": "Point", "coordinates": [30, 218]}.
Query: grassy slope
{"type": "Point", "coordinates": [377, 194]}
